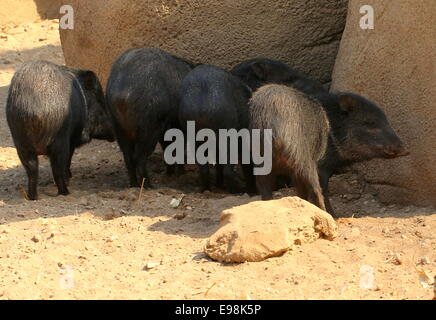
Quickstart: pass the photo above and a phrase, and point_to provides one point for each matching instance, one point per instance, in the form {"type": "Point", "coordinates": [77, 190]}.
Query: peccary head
{"type": "Point", "coordinates": [363, 131]}
{"type": "Point", "coordinates": [98, 125]}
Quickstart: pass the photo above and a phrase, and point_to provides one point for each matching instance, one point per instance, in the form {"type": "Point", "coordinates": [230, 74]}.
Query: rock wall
{"type": "Point", "coordinates": [394, 65]}
{"type": "Point", "coordinates": [20, 11]}
{"type": "Point", "coordinates": [304, 33]}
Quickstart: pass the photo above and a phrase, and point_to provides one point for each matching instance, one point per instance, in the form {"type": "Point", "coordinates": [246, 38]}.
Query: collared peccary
{"type": "Point", "coordinates": [51, 110]}
{"type": "Point", "coordinates": [215, 99]}
{"type": "Point", "coordinates": [333, 130]}
{"type": "Point", "coordinates": [300, 131]}
{"type": "Point", "coordinates": [143, 96]}
{"type": "Point", "coordinates": [260, 71]}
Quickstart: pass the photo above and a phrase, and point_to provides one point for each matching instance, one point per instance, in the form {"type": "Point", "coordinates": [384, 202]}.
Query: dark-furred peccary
{"type": "Point", "coordinates": [51, 110]}
{"type": "Point", "coordinates": [215, 99]}
{"type": "Point", "coordinates": [260, 71]}
{"type": "Point", "coordinates": [354, 130]}
{"type": "Point", "coordinates": [143, 96]}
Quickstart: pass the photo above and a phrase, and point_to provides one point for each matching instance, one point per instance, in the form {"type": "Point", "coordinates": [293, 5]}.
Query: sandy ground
{"type": "Point", "coordinates": [96, 242]}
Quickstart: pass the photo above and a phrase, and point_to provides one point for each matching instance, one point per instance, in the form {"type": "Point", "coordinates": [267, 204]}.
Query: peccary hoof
{"type": "Point", "coordinates": [32, 197]}
{"type": "Point", "coordinates": [63, 193]}
{"type": "Point", "coordinates": [134, 184]}
{"type": "Point", "coordinates": [205, 189]}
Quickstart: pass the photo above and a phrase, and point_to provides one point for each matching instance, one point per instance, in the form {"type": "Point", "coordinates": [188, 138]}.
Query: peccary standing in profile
{"type": "Point", "coordinates": [143, 96]}
{"type": "Point", "coordinates": [51, 110]}
{"type": "Point", "coordinates": [215, 99]}
{"type": "Point", "coordinates": [332, 130]}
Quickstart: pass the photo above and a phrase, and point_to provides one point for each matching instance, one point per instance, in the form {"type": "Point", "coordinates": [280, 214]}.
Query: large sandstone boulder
{"type": "Point", "coordinates": [394, 65]}
{"type": "Point", "coordinates": [263, 229]}
{"type": "Point", "coordinates": [48, 9]}
{"type": "Point", "coordinates": [304, 33]}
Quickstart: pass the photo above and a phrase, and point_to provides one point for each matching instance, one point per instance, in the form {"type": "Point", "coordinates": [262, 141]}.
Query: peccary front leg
{"type": "Point", "coordinates": [178, 169]}
{"type": "Point", "coordinates": [230, 178]}
{"type": "Point", "coordinates": [265, 185]}
{"type": "Point", "coordinates": [30, 163]}
{"type": "Point", "coordinates": [204, 175]}
{"type": "Point", "coordinates": [219, 168]}
{"type": "Point", "coordinates": [250, 180]}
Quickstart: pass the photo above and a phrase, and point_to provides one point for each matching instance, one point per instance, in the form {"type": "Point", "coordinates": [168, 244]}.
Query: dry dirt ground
{"type": "Point", "coordinates": [97, 242]}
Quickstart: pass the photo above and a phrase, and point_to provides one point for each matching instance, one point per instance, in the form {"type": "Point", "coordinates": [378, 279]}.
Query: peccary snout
{"type": "Point", "coordinates": [396, 149]}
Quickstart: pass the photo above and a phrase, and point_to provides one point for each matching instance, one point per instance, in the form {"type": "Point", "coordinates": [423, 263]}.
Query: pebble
{"type": "Point", "coordinates": [36, 238]}
{"type": "Point", "coordinates": [175, 203]}
{"type": "Point", "coordinates": [151, 265]}
{"type": "Point", "coordinates": [180, 216]}
{"type": "Point", "coordinates": [112, 238]}
{"type": "Point", "coordinates": [424, 261]}
{"type": "Point", "coordinates": [397, 259]}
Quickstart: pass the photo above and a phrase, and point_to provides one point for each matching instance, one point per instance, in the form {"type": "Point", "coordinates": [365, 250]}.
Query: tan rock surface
{"type": "Point", "coordinates": [263, 229]}
{"type": "Point", "coordinates": [394, 65]}
{"type": "Point", "coordinates": [303, 33]}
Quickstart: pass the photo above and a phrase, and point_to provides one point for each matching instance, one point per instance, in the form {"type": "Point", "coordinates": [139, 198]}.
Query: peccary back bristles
{"type": "Point", "coordinates": [299, 124]}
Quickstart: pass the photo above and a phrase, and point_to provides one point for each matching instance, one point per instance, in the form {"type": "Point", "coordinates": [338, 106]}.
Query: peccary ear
{"type": "Point", "coordinates": [87, 79]}
{"type": "Point", "coordinates": [260, 70]}
{"type": "Point", "coordinates": [347, 102]}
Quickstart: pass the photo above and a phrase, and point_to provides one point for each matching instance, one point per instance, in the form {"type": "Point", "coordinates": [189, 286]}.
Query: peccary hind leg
{"type": "Point", "coordinates": [30, 163]}
{"type": "Point", "coordinates": [308, 187]}
{"type": "Point", "coordinates": [142, 152]}
{"type": "Point", "coordinates": [59, 155]}
{"type": "Point", "coordinates": [128, 149]}
{"type": "Point", "coordinates": [324, 181]}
